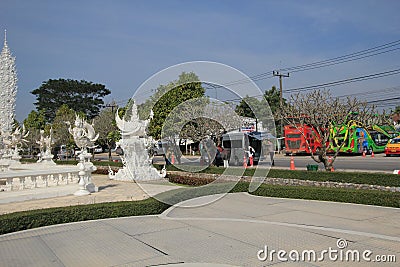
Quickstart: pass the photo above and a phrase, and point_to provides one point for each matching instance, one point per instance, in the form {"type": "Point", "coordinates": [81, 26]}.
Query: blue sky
{"type": "Point", "coordinates": [122, 43]}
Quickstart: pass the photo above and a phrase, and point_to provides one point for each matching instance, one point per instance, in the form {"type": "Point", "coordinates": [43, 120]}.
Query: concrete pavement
{"type": "Point", "coordinates": [61, 196]}
{"type": "Point", "coordinates": [233, 231]}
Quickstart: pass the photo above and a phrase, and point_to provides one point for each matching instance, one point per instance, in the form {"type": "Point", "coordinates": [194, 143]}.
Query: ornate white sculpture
{"type": "Point", "coordinates": [45, 148]}
{"type": "Point", "coordinates": [11, 143]}
{"type": "Point", "coordinates": [8, 88]}
{"type": "Point", "coordinates": [84, 137]}
{"type": "Point", "coordinates": [136, 160]}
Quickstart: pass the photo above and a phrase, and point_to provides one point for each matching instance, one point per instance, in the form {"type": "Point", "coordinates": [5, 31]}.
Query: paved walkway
{"type": "Point", "coordinates": [232, 231]}
{"type": "Point", "coordinates": [59, 196]}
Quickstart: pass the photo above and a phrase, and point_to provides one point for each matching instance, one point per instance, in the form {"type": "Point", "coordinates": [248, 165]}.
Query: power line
{"type": "Point", "coordinates": [385, 90]}
{"type": "Point", "coordinates": [345, 81]}
{"type": "Point", "coordinates": [374, 51]}
{"type": "Point", "coordinates": [378, 50]}
{"type": "Point", "coordinates": [382, 100]}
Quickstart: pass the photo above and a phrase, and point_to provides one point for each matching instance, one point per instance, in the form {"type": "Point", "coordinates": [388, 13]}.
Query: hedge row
{"type": "Point", "coordinates": [340, 177]}
{"type": "Point", "coordinates": [191, 181]}
{"type": "Point", "coordinates": [367, 197]}
{"type": "Point", "coordinates": [37, 218]}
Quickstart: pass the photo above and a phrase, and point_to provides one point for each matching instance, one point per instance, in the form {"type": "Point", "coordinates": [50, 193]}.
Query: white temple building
{"type": "Point", "coordinates": [8, 88]}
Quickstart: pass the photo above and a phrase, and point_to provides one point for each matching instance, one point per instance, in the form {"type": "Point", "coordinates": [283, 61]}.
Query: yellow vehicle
{"type": "Point", "coordinates": [393, 147]}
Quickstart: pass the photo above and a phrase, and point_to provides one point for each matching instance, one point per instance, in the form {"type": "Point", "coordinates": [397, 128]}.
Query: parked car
{"type": "Point", "coordinates": [159, 148]}
{"type": "Point", "coordinates": [98, 149]}
{"type": "Point", "coordinates": [393, 147]}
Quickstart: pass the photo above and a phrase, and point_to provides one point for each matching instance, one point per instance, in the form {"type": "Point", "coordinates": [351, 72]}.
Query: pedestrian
{"type": "Point", "coordinates": [251, 154]}
{"type": "Point", "coordinates": [271, 150]}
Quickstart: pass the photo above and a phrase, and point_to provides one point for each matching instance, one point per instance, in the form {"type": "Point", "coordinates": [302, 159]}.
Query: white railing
{"type": "Point", "coordinates": [30, 178]}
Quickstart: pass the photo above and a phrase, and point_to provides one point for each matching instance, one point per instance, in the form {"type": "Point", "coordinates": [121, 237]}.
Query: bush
{"type": "Point", "coordinates": [191, 181]}
{"type": "Point", "coordinates": [37, 218]}
{"type": "Point", "coordinates": [340, 177]}
{"type": "Point", "coordinates": [367, 197]}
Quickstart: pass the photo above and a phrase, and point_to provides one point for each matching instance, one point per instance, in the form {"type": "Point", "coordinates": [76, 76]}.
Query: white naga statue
{"type": "Point", "coordinates": [136, 160]}
{"type": "Point", "coordinates": [45, 144]}
{"type": "Point", "coordinates": [12, 141]}
{"type": "Point", "coordinates": [84, 137]}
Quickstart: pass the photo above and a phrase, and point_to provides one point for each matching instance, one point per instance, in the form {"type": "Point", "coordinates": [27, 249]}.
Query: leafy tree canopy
{"type": "Point", "coordinates": [243, 109]}
{"type": "Point", "coordinates": [167, 97]}
{"type": "Point", "coordinates": [64, 117]}
{"type": "Point", "coordinates": [35, 120]}
{"type": "Point", "coordinates": [86, 97]}
{"type": "Point", "coordinates": [272, 96]}
{"type": "Point", "coordinates": [107, 129]}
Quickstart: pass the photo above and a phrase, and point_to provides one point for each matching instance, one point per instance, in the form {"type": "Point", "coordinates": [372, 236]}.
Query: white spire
{"type": "Point", "coordinates": [5, 47]}
{"type": "Point", "coordinates": [8, 87]}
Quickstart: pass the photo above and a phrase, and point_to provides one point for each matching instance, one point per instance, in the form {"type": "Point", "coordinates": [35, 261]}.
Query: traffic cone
{"type": "Point", "coordinates": [330, 161]}
{"type": "Point", "coordinates": [363, 153]}
{"type": "Point", "coordinates": [244, 161]}
{"type": "Point", "coordinates": [292, 167]}
{"type": "Point", "coordinates": [372, 154]}
{"type": "Point", "coordinates": [251, 161]}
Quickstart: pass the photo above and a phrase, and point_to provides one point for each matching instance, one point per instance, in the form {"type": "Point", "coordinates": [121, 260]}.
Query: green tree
{"type": "Point", "coordinates": [256, 108]}
{"type": "Point", "coordinates": [186, 87]}
{"type": "Point", "coordinates": [105, 125]}
{"type": "Point", "coordinates": [34, 123]}
{"type": "Point", "coordinates": [273, 98]}
{"type": "Point", "coordinates": [35, 120]}
{"type": "Point", "coordinates": [64, 117]}
{"type": "Point", "coordinates": [244, 110]}
{"type": "Point", "coordinates": [86, 97]}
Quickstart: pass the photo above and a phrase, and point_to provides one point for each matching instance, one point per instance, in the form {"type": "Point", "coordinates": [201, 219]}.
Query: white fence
{"type": "Point", "coordinates": [30, 179]}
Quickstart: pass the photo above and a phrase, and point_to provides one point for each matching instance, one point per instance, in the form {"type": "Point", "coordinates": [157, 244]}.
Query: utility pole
{"type": "Point", "coordinates": [280, 75]}
{"type": "Point", "coordinates": [112, 106]}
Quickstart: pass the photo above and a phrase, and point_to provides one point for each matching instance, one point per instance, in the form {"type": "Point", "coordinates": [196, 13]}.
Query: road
{"type": "Point", "coordinates": [377, 163]}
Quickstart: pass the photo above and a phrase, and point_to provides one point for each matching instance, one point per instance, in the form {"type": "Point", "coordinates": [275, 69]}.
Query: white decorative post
{"type": "Point", "coordinates": [84, 137]}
